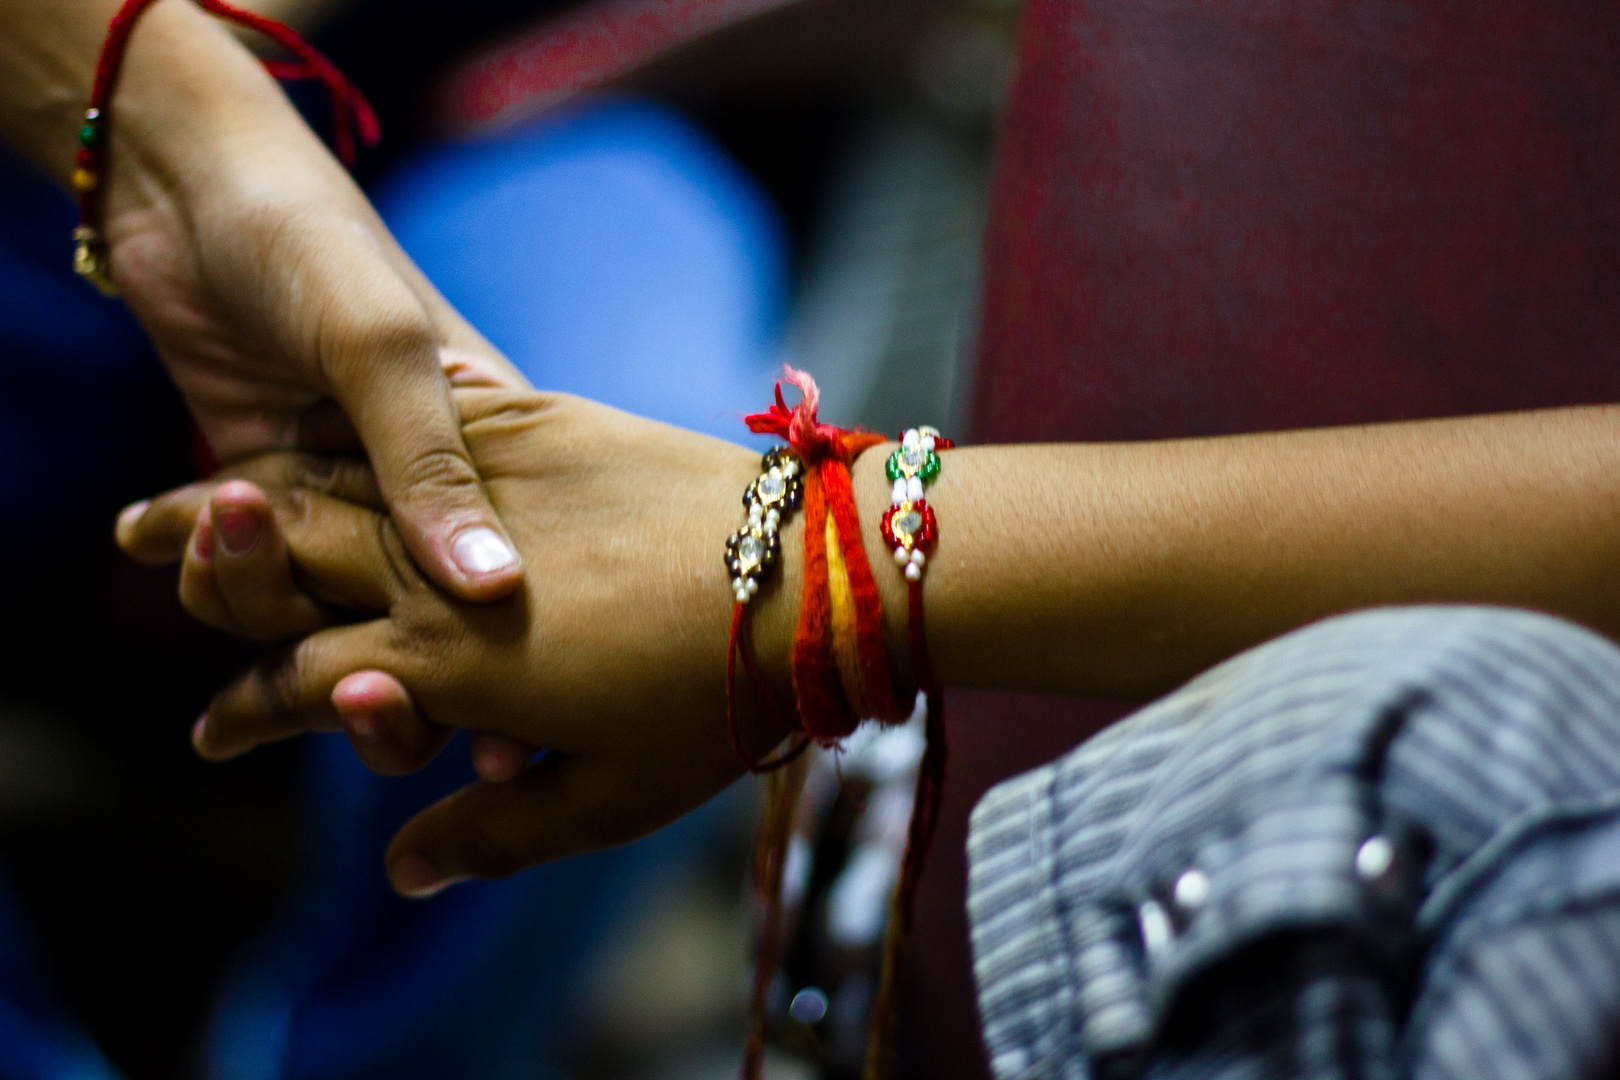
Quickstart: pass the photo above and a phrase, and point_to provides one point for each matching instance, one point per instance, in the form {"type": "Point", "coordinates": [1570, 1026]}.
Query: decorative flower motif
{"type": "Point", "coordinates": [780, 485]}
{"type": "Point", "coordinates": [910, 531]}
{"type": "Point", "coordinates": [750, 552]}
{"type": "Point", "coordinates": [912, 460]}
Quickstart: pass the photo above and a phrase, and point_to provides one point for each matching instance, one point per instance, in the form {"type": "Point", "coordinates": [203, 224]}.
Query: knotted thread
{"type": "Point", "coordinates": [829, 511]}
{"type": "Point", "coordinates": [836, 571]}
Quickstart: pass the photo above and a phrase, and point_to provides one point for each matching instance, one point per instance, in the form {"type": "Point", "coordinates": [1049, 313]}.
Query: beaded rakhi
{"type": "Point", "coordinates": [754, 549]}
{"type": "Point", "coordinates": [909, 527]}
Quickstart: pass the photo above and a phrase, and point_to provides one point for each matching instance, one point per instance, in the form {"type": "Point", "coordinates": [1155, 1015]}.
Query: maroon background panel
{"type": "Point", "coordinates": [1219, 217]}
{"type": "Point", "coordinates": [1214, 217]}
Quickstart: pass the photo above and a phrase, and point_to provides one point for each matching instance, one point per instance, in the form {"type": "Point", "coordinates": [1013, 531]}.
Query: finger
{"type": "Point", "coordinates": [346, 478]}
{"type": "Point", "coordinates": [253, 570]}
{"type": "Point", "coordinates": [388, 380]}
{"type": "Point", "coordinates": [156, 530]}
{"type": "Point", "coordinates": [469, 368]}
{"type": "Point", "coordinates": [557, 807]}
{"type": "Point", "coordinates": [345, 555]}
{"type": "Point", "coordinates": [199, 589]}
{"type": "Point", "coordinates": [498, 758]}
{"type": "Point", "coordinates": [289, 692]}
{"type": "Point", "coordinates": [383, 726]}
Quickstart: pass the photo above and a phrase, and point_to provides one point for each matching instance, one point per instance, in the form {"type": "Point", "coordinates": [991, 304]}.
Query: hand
{"type": "Point", "coordinates": [281, 306]}
{"type": "Point", "coordinates": [612, 657]}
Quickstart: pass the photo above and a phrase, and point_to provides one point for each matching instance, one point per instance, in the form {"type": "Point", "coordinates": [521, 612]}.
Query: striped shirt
{"type": "Point", "coordinates": [1384, 845]}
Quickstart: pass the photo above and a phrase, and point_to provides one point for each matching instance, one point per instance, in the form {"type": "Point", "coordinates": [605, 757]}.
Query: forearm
{"type": "Point", "coordinates": [1121, 570]}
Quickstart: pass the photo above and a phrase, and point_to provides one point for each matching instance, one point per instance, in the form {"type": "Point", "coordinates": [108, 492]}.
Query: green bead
{"type": "Point", "coordinates": [90, 136]}
{"type": "Point", "coordinates": [895, 467]}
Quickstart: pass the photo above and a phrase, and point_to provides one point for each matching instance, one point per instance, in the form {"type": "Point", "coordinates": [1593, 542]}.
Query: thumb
{"type": "Point", "coordinates": [391, 385]}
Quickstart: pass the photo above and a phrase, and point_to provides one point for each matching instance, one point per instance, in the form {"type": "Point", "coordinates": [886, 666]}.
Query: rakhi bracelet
{"type": "Point", "coordinates": [350, 110]}
{"type": "Point", "coordinates": [751, 553]}
{"type": "Point", "coordinates": [840, 662]}
{"type": "Point", "coordinates": [911, 530]}
{"type": "Point", "coordinates": [909, 527]}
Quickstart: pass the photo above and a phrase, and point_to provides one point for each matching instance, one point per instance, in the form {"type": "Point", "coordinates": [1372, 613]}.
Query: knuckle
{"type": "Point", "coordinates": [317, 472]}
{"type": "Point", "coordinates": [346, 341]}
{"type": "Point", "coordinates": [488, 411]}
{"type": "Point", "coordinates": [439, 469]}
{"type": "Point", "coordinates": [293, 507]}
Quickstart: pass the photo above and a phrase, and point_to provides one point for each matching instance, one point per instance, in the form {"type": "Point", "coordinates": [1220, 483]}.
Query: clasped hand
{"type": "Point", "coordinates": [611, 657]}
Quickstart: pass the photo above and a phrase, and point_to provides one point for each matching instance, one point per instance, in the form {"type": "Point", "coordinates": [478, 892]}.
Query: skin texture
{"type": "Point", "coordinates": [627, 518]}
{"type": "Point", "coordinates": [283, 310]}
{"type": "Point", "coordinates": [1093, 570]}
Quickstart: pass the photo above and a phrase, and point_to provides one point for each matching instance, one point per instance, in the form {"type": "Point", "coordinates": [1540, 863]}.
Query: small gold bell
{"type": "Point", "coordinates": [90, 260]}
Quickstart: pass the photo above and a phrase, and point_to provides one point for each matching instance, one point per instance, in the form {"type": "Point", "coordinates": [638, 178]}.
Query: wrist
{"type": "Point", "coordinates": [192, 103]}
{"type": "Point", "coordinates": [48, 55]}
{"type": "Point", "coordinates": [774, 611]}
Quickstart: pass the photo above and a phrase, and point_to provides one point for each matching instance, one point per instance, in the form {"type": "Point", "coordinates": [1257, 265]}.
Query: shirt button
{"type": "Point", "coordinates": [1374, 858]}
{"type": "Point", "coordinates": [1192, 889]}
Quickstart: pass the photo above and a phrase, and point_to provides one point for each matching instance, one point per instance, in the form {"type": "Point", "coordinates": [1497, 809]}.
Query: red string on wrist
{"type": "Point", "coordinates": [873, 651]}
{"type": "Point", "coordinates": [823, 709]}
{"type": "Point", "coordinates": [351, 114]}
{"type": "Point", "coordinates": [739, 647]}
{"type": "Point", "coordinates": [840, 603]}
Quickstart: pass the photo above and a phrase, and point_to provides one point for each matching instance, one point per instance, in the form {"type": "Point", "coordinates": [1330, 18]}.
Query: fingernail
{"type": "Point", "coordinates": [238, 530]}
{"type": "Point", "coordinates": [203, 549]}
{"type": "Point", "coordinates": [496, 766]}
{"type": "Point", "coordinates": [416, 878]}
{"type": "Point", "coordinates": [482, 551]}
{"type": "Point", "coordinates": [198, 729]}
{"type": "Point", "coordinates": [131, 514]}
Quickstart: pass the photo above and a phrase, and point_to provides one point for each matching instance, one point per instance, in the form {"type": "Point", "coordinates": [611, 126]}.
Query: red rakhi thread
{"type": "Point", "coordinates": [827, 452]}
{"type": "Point", "coordinates": [350, 111]}
{"type": "Point", "coordinates": [824, 695]}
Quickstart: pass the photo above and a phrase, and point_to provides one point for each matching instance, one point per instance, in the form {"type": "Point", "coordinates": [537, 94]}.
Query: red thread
{"type": "Point", "coordinates": [739, 647]}
{"type": "Point", "coordinates": [874, 653]}
{"type": "Point", "coordinates": [809, 438]}
{"type": "Point", "coordinates": [350, 110]}
{"type": "Point", "coordinates": [826, 453]}
{"type": "Point", "coordinates": [770, 859]}
{"type": "Point", "coordinates": [822, 709]}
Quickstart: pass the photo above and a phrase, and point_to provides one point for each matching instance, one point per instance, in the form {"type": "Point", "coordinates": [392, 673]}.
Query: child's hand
{"type": "Point", "coordinates": [612, 656]}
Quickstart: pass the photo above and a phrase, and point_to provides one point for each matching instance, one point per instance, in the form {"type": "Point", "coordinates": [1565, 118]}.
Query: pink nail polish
{"type": "Point", "coordinates": [203, 548]}
{"type": "Point", "coordinates": [198, 728]}
{"type": "Point", "coordinates": [238, 530]}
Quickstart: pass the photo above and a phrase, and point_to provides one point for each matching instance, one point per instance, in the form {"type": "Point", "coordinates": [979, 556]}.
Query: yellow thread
{"type": "Point", "coordinates": [845, 642]}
